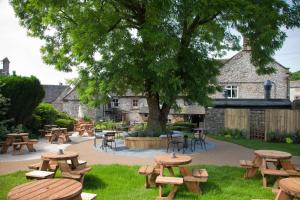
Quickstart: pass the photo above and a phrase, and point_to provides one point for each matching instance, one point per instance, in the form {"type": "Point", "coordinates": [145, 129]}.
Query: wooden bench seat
{"type": "Point", "coordinates": [3, 147]}
{"type": "Point", "coordinates": [38, 174]}
{"type": "Point", "coordinates": [162, 180]}
{"type": "Point", "coordinates": [272, 172]}
{"type": "Point", "coordinates": [88, 196]}
{"type": "Point", "coordinates": [246, 163]}
{"type": "Point", "coordinates": [201, 174]}
{"type": "Point", "coordinates": [51, 165]}
{"type": "Point", "coordinates": [80, 162]}
{"type": "Point", "coordinates": [77, 174]}
{"type": "Point", "coordinates": [150, 174]}
{"type": "Point", "coordinates": [251, 169]}
{"type": "Point", "coordinates": [18, 147]}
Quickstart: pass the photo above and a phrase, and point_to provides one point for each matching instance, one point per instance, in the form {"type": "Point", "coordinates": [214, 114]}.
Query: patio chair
{"type": "Point", "coordinates": [98, 135]}
{"type": "Point", "coordinates": [174, 141]}
{"type": "Point", "coordinates": [109, 138]}
{"type": "Point", "coordinates": [77, 174]}
{"type": "Point", "coordinates": [198, 138]}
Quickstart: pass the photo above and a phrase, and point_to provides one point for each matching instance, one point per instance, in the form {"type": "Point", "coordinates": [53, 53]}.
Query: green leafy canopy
{"type": "Point", "coordinates": [160, 48]}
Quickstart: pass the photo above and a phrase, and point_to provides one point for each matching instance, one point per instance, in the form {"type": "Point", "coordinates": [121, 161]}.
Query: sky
{"type": "Point", "coordinates": [25, 57]}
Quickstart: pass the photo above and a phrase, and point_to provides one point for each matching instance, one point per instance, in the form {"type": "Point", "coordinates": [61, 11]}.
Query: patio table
{"type": "Point", "coordinates": [289, 188]}
{"type": "Point", "coordinates": [168, 161]}
{"type": "Point", "coordinates": [47, 189]}
{"type": "Point", "coordinates": [263, 155]}
{"type": "Point", "coordinates": [55, 156]}
{"type": "Point", "coordinates": [12, 137]}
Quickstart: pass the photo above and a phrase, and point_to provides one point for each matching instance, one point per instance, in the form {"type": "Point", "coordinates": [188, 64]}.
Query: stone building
{"type": "Point", "coordinates": [295, 90]}
{"type": "Point", "coordinates": [65, 99]}
{"type": "Point", "coordinates": [4, 67]}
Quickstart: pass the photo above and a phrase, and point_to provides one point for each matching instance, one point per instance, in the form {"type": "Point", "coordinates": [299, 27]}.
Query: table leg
{"type": "Point", "coordinates": [74, 162]}
{"type": "Point", "coordinates": [192, 186]}
{"type": "Point", "coordinates": [281, 195]}
{"type": "Point", "coordinates": [45, 165]}
{"type": "Point", "coordinates": [170, 169]}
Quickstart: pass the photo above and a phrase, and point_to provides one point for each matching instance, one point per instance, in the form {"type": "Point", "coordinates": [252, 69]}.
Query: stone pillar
{"type": "Point", "coordinates": [5, 70]}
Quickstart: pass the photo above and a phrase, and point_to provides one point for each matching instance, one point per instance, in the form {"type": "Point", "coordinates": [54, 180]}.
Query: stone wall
{"type": "Point", "coordinates": [214, 119]}
{"type": "Point", "coordinates": [240, 72]}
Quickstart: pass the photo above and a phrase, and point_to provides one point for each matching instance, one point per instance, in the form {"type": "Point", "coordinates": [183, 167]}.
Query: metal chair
{"type": "Point", "coordinates": [198, 138]}
{"type": "Point", "coordinates": [98, 135]}
{"type": "Point", "coordinates": [173, 141]}
{"type": "Point", "coordinates": [109, 137]}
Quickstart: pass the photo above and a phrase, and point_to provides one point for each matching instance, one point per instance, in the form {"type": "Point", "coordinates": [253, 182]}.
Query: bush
{"type": "Point", "coordinates": [25, 94]}
{"type": "Point", "coordinates": [234, 133]}
{"type": "Point", "coordinates": [182, 126]}
{"type": "Point", "coordinates": [282, 137]}
{"type": "Point", "coordinates": [65, 123]}
{"type": "Point", "coordinates": [47, 113]}
{"type": "Point", "coordinates": [106, 125]}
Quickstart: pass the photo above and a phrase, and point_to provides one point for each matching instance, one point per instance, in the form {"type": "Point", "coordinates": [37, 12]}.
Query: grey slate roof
{"type": "Point", "coordinates": [52, 92]}
{"type": "Point", "coordinates": [252, 103]}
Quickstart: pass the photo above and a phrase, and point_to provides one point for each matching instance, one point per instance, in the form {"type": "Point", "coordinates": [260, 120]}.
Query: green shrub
{"type": "Point", "coordinates": [282, 137]}
{"type": "Point", "coordinates": [106, 125]}
{"type": "Point", "coordinates": [181, 126]}
{"type": "Point", "coordinates": [87, 119]}
{"type": "Point", "coordinates": [47, 113]}
{"type": "Point", "coordinates": [234, 133]}
{"type": "Point", "coordinates": [65, 123]}
{"type": "Point", "coordinates": [24, 94]}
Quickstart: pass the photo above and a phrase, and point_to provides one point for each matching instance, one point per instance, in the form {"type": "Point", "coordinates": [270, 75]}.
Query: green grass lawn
{"type": "Point", "coordinates": [123, 182]}
{"type": "Point", "coordinates": [294, 149]}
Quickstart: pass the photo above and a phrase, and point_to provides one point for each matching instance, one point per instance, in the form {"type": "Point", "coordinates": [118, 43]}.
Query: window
{"type": "Point", "coordinates": [232, 91]}
{"type": "Point", "coordinates": [135, 102]}
{"type": "Point", "coordinates": [115, 103]}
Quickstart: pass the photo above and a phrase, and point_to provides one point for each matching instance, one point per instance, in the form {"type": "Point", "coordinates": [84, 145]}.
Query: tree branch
{"type": "Point", "coordinates": [114, 25]}
{"type": "Point", "coordinates": [67, 17]}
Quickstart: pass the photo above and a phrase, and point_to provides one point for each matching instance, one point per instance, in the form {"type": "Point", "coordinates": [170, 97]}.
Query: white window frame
{"type": "Point", "coordinates": [135, 101]}
{"type": "Point", "coordinates": [231, 88]}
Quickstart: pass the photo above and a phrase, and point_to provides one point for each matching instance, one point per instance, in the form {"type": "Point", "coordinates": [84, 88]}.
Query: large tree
{"type": "Point", "coordinates": [158, 48]}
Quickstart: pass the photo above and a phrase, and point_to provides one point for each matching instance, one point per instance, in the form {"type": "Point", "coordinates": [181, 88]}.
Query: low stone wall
{"type": "Point", "coordinates": [145, 142]}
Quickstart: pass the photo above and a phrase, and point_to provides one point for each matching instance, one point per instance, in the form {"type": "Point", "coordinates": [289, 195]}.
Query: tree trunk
{"type": "Point", "coordinates": [158, 117]}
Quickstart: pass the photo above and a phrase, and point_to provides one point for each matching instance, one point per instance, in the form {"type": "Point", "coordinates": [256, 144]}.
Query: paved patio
{"type": "Point", "coordinates": [223, 153]}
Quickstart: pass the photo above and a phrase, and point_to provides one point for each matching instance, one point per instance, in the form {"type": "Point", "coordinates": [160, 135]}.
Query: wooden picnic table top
{"type": "Point", "coordinates": [67, 155]}
{"type": "Point", "coordinates": [17, 134]}
{"type": "Point", "coordinates": [291, 186]}
{"type": "Point", "coordinates": [168, 160]}
{"type": "Point", "coordinates": [47, 189]}
{"type": "Point", "coordinates": [273, 154]}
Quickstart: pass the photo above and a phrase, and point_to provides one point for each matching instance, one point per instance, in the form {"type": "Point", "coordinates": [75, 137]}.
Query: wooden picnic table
{"type": "Point", "coordinates": [60, 134]}
{"type": "Point", "coordinates": [49, 126]}
{"type": "Point", "coordinates": [289, 188]}
{"type": "Point", "coordinates": [263, 156]}
{"type": "Point", "coordinates": [55, 156]}
{"type": "Point", "coordinates": [47, 189]}
{"type": "Point", "coordinates": [168, 161]}
{"type": "Point", "coordinates": [12, 137]}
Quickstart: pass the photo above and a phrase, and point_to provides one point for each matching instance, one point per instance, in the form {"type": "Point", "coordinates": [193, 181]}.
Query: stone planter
{"type": "Point", "coordinates": [145, 142]}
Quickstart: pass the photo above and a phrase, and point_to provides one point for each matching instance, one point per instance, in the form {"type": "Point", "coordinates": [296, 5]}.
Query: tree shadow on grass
{"type": "Point", "coordinates": [93, 182]}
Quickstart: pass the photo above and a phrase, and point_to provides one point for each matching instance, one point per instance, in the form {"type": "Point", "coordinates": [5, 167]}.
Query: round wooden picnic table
{"type": "Point", "coordinates": [169, 160]}
{"type": "Point", "coordinates": [67, 155]}
{"type": "Point", "coordinates": [290, 187]}
{"type": "Point", "coordinates": [272, 154]}
{"type": "Point", "coordinates": [47, 189]}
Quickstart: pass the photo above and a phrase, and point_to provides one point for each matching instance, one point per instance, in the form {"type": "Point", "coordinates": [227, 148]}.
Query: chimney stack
{"type": "Point", "coordinates": [268, 88]}
{"type": "Point", "coordinates": [5, 67]}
